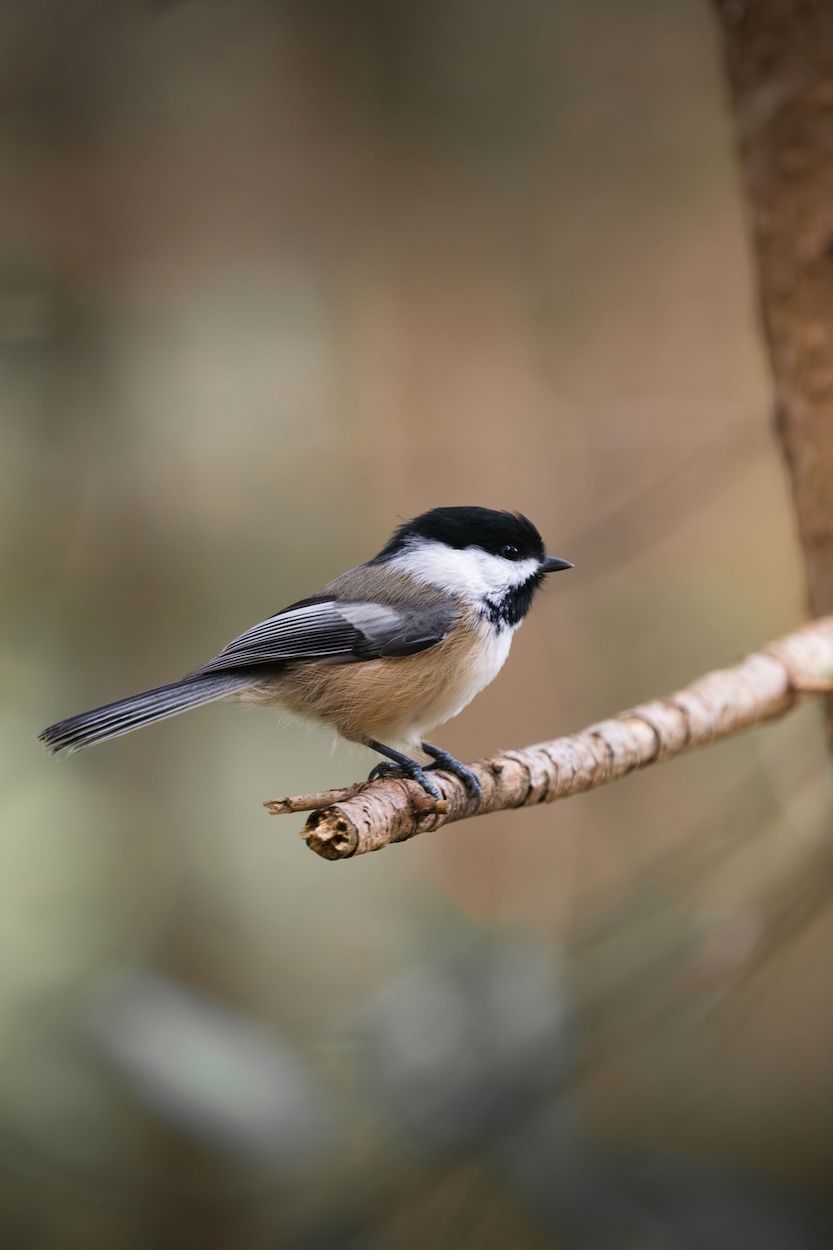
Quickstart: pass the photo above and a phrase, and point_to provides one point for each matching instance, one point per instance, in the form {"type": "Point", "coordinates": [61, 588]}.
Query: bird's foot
{"type": "Point", "coordinates": [442, 759]}
{"type": "Point", "coordinates": [405, 767]}
{"type": "Point", "coordinates": [385, 769]}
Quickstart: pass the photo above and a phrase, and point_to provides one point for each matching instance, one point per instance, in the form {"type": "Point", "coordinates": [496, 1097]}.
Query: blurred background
{"type": "Point", "coordinates": [274, 275]}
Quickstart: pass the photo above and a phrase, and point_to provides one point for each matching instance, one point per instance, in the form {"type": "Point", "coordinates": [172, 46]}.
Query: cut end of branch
{"type": "Point", "coordinates": [331, 834]}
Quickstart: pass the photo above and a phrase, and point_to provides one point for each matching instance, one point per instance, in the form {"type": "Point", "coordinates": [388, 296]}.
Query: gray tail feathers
{"type": "Point", "coordinates": [122, 717]}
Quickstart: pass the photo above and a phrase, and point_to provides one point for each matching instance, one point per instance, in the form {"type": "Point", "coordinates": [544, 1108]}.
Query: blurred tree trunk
{"type": "Point", "coordinates": [779, 56]}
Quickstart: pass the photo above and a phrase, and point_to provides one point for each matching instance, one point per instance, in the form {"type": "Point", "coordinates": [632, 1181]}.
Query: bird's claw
{"type": "Point", "coordinates": [414, 773]}
{"type": "Point", "coordinates": [445, 761]}
{"type": "Point", "coordinates": [384, 769]}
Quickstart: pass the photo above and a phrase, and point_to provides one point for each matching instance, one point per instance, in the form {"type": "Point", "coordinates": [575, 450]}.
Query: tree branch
{"type": "Point", "coordinates": [763, 687]}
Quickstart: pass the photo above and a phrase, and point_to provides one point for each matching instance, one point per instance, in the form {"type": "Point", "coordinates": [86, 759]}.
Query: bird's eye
{"type": "Point", "coordinates": [509, 552]}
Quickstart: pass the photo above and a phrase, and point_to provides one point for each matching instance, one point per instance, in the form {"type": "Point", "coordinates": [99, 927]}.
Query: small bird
{"type": "Point", "coordinates": [382, 654]}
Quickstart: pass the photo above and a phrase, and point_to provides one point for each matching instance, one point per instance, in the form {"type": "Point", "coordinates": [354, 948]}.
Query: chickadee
{"type": "Point", "coordinates": [383, 653]}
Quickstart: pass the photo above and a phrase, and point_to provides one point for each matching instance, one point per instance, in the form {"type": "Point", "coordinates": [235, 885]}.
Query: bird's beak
{"type": "Point", "coordinates": [553, 564]}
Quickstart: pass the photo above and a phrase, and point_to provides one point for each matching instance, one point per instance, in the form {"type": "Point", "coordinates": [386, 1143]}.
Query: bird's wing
{"type": "Point", "coordinates": [335, 631]}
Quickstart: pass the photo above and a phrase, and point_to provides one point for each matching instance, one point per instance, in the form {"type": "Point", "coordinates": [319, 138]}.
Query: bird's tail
{"type": "Point", "coordinates": [122, 717]}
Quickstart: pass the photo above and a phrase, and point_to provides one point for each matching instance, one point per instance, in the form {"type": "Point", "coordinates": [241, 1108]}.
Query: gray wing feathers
{"type": "Point", "coordinates": [355, 631]}
{"type": "Point", "coordinates": [299, 633]}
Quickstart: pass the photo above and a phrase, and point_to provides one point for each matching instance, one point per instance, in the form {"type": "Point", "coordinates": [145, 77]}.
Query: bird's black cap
{"type": "Point", "coordinates": [499, 533]}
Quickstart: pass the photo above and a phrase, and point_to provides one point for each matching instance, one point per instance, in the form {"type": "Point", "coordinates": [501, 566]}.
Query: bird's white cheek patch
{"type": "Point", "coordinates": [471, 572]}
